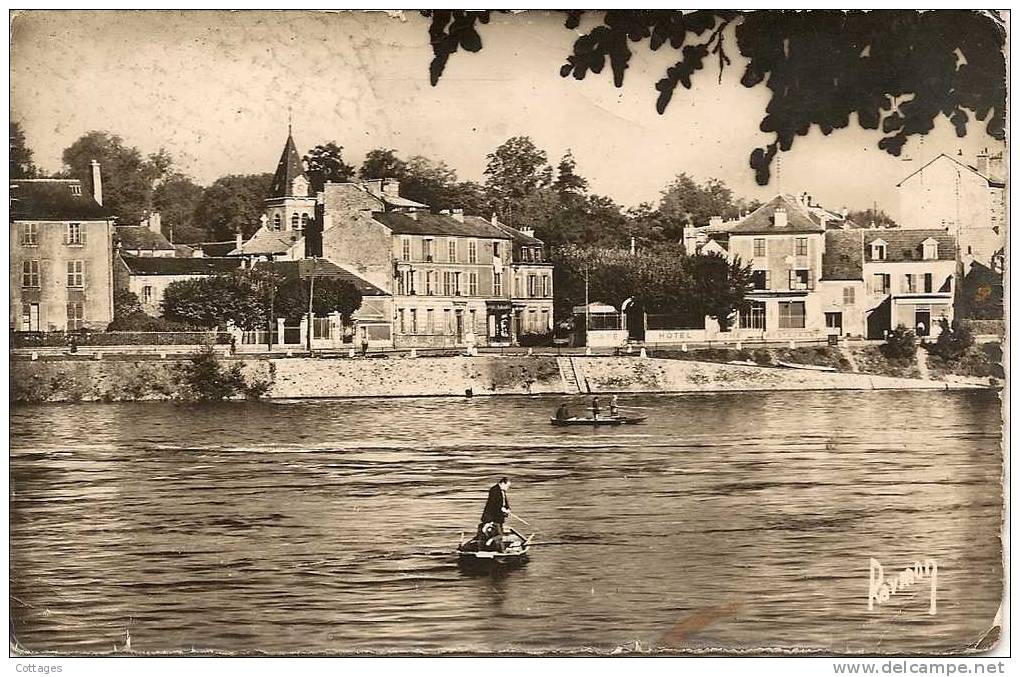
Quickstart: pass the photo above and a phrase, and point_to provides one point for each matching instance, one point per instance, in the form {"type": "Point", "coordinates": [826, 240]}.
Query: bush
{"type": "Point", "coordinates": [953, 342]}
{"type": "Point", "coordinates": [900, 344]}
{"type": "Point", "coordinates": [139, 321]}
{"type": "Point", "coordinates": [536, 339]}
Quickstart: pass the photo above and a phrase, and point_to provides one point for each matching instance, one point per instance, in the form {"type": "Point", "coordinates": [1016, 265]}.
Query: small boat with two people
{"type": "Point", "coordinates": [495, 544]}
{"type": "Point", "coordinates": [563, 417]}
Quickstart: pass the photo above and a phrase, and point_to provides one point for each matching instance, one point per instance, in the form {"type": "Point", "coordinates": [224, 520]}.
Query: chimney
{"type": "Point", "coordinates": [844, 212]}
{"type": "Point", "coordinates": [715, 221]}
{"type": "Point", "coordinates": [804, 199]}
{"type": "Point", "coordinates": [375, 187]}
{"type": "Point", "coordinates": [528, 231]}
{"type": "Point", "coordinates": [779, 217]}
{"type": "Point", "coordinates": [155, 223]}
{"type": "Point", "coordinates": [996, 167]}
{"type": "Point", "coordinates": [391, 187]}
{"type": "Point", "coordinates": [633, 245]}
{"type": "Point", "coordinates": [97, 183]}
{"type": "Point", "coordinates": [239, 240]}
{"type": "Point", "coordinates": [458, 215]}
{"type": "Point", "coordinates": [981, 165]}
{"type": "Point", "coordinates": [413, 214]}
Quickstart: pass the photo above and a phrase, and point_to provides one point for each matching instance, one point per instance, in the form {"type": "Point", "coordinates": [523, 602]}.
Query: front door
{"type": "Point", "coordinates": [30, 317]}
{"type": "Point", "coordinates": [460, 326]}
{"type": "Point", "coordinates": [922, 322]}
{"type": "Point", "coordinates": [834, 323]}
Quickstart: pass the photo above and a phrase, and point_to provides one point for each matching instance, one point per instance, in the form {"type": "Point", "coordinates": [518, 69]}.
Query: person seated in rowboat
{"type": "Point", "coordinates": [497, 509]}
{"type": "Point", "coordinates": [614, 406]}
{"type": "Point", "coordinates": [563, 413]}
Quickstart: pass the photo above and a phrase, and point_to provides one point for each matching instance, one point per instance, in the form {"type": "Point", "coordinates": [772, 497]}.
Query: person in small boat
{"type": "Point", "coordinates": [595, 407]}
{"type": "Point", "coordinates": [614, 406]}
{"type": "Point", "coordinates": [563, 413]}
{"type": "Point", "coordinates": [497, 509]}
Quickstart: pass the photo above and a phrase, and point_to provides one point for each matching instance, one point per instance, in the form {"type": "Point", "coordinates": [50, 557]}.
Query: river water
{"type": "Point", "coordinates": [733, 521]}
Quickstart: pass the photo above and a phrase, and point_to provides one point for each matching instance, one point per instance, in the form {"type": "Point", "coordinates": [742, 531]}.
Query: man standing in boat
{"type": "Point", "coordinates": [497, 509]}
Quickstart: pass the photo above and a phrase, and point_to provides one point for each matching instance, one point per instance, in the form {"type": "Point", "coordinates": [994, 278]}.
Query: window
{"type": "Point", "coordinates": [75, 316]}
{"type": "Point", "coordinates": [304, 221]}
{"type": "Point", "coordinates": [76, 274]}
{"type": "Point", "coordinates": [472, 251]}
{"type": "Point", "coordinates": [927, 283]}
{"type": "Point", "coordinates": [495, 249]}
{"type": "Point", "coordinates": [497, 284]}
{"type": "Point", "coordinates": [426, 250]}
{"type": "Point", "coordinates": [428, 283]}
{"type": "Point", "coordinates": [447, 283]}
{"type": "Point", "coordinates": [909, 284]}
{"type": "Point", "coordinates": [451, 248]}
{"type": "Point", "coordinates": [532, 291]}
{"type": "Point", "coordinates": [791, 314]}
{"type": "Point", "coordinates": [400, 315]}
{"type": "Point", "coordinates": [759, 246]}
{"type": "Point", "coordinates": [30, 234]}
{"type": "Point", "coordinates": [754, 316]}
{"type": "Point", "coordinates": [546, 286]}
{"type": "Point", "coordinates": [456, 283]}
{"type": "Point", "coordinates": [277, 221]}
{"type": "Point", "coordinates": [834, 320]}
{"type": "Point", "coordinates": [29, 317]}
{"type": "Point", "coordinates": [447, 327]}
{"type": "Point", "coordinates": [405, 249]}
{"type": "Point", "coordinates": [526, 254]}
{"type": "Point", "coordinates": [74, 234]}
{"type": "Point", "coordinates": [545, 321]}
{"type": "Point", "coordinates": [147, 294]}
{"type": "Point", "coordinates": [760, 279]}
{"type": "Point", "coordinates": [880, 283]}
{"type": "Point", "coordinates": [472, 284]}
{"type": "Point", "coordinates": [517, 286]}
{"type": "Point", "coordinates": [30, 274]}
{"type": "Point", "coordinates": [848, 296]}
{"type": "Point", "coordinates": [538, 254]}
{"type": "Point", "coordinates": [295, 221]}
{"type": "Point", "coordinates": [930, 249]}
{"type": "Point", "coordinates": [800, 279]}
{"type": "Point", "coordinates": [878, 250]}
{"type": "Point", "coordinates": [75, 189]}
{"type": "Point", "coordinates": [401, 283]}
{"type": "Point", "coordinates": [414, 321]}
{"type": "Point", "coordinates": [801, 246]}
{"type": "Point", "coordinates": [430, 321]}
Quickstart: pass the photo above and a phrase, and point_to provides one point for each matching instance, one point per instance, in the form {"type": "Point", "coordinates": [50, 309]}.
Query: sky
{"type": "Point", "coordinates": [215, 89]}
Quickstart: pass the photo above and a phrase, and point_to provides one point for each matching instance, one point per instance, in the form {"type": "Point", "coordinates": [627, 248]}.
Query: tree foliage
{"type": "Point", "coordinates": [900, 343]}
{"type": "Point", "coordinates": [176, 198]}
{"type": "Point", "coordinates": [517, 168]}
{"type": "Point", "coordinates": [953, 342]}
{"type": "Point", "coordinates": [129, 178]}
{"type": "Point", "coordinates": [872, 217]}
{"type": "Point", "coordinates": [242, 297]}
{"type": "Point", "coordinates": [233, 204]}
{"type": "Point", "coordinates": [687, 203]}
{"type": "Point", "coordinates": [331, 296]}
{"type": "Point", "coordinates": [22, 166]}
{"type": "Point", "coordinates": [382, 163]}
{"type": "Point", "coordinates": [568, 181]}
{"type": "Point", "coordinates": [895, 70]}
{"type": "Point", "coordinates": [325, 163]}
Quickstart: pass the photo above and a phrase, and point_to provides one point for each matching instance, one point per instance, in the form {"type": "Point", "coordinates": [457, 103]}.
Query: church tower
{"type": "Point", "coordinates": [290, 206]}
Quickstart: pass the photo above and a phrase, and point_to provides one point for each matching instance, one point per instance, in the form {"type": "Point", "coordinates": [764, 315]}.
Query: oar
{"type": "Point", "coordinates": [519, 518]}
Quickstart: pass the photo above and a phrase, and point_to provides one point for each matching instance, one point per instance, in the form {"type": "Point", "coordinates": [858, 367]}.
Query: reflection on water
{"type": "Point", "coordinates": [329, 526]}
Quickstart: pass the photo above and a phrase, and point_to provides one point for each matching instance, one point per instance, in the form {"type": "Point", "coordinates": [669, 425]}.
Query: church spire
{"type": "Point", "coordinates": [287, 170]}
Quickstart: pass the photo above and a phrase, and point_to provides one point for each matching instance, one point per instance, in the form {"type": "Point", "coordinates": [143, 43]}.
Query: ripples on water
{"type": "Point", "coordinates": [328, 526]}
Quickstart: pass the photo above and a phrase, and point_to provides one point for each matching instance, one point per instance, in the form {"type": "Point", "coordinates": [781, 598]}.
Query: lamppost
{"type": "Point", "coordinates": [311, 295]}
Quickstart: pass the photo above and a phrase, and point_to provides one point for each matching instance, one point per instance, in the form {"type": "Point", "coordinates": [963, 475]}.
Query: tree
{"type": "Point", "coordinates": [233, 204]}
{"type": "Point", "coordinates": [382, 163]}
{"type": "Point", "coordinates": [176, 198]}
{"type": "Point", "coordinates": [128, 177]}
{"type": "Point", "coordinates": [331, 296]}
{"type": "Point", "coordinates": [898, 70]}
{"type": "Point", "coordinates": [686, 203]}
{"type": "Point", "coordinates": [900, 343]}
{"type": "Point", "coordinates": [568, 182]}
{"type": "Point", "coordinates": [430, 182]}
{"type": "Point", "coordinates": [953, 342]}
{"type": "Point", "coordinates": [871, 218]}
{"type": "Point", "coordinates": [325, 163]}
{"type": "Point", "coordinates": [22, 166]}
{"type": "Point", "coordinates": [241, 297]}
{"type": "Point", "coordinates": [516, 169]}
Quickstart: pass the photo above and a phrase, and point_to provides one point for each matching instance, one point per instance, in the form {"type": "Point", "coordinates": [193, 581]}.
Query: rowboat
{"type": "Point", "coordinates": [514, 553]}
{"type": "Point", "coordinates": [812, 367]}
{"type": "Point", "coordinates": [601, 420]}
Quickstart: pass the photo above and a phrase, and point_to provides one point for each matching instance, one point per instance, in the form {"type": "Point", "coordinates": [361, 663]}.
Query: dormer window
{"type": "Point", "coordinates": [930, 249]}
{"type": "Point", "coordinates": [878, 250]}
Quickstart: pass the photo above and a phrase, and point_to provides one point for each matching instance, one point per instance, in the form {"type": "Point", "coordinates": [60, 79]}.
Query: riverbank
{"type": "Point", "coordinates": [302, 377]}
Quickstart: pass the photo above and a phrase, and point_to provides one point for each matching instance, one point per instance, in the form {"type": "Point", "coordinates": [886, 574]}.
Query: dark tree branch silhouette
{"type": "Point", "coordinates": [894, 70]}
